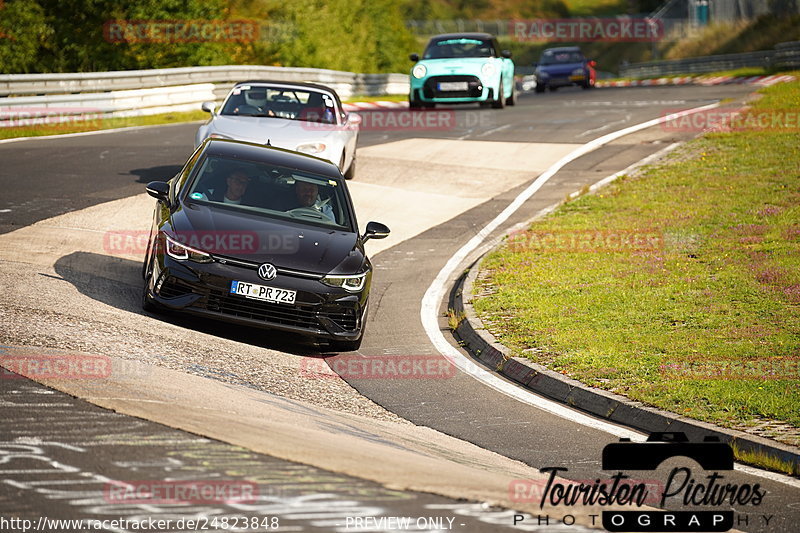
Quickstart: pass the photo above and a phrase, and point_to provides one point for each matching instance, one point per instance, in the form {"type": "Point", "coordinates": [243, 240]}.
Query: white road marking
{"type": "Point", "coordinates": [429, 309]}
{"type": "Point", "coordinates": [96, 132]}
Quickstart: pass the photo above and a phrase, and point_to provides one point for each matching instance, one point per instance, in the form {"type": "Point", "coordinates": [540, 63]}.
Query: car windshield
{"type": "Point", "coordinates": [281, 102]}
{"type": "Point", "coordinates": [549, 57]}
{"type": "Point", "coordinates": [461, 47]}
{"type": "Point", "coordinates": [270, 191]}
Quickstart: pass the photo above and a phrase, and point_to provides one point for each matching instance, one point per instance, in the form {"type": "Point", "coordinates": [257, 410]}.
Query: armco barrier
{"type": "Point", "coordinates": [784, 56]}
{"type": "Point", "coordinates": [144, 92]}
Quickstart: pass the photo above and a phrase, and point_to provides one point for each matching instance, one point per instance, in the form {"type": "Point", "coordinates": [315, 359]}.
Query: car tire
{"type": "Point", "coordinates": [540, 88]}
{"type": "Point", "coordinates": [351, 170]}
{"type": "Point", "coordinates": [414, 104]}
{"type": "Point", "coordinates": [148, 304]}
{"type": "Point", "coordinates": [553, 89]}
{"type": "Point", "coordinates": [588, 84]}
{"type": "Point", "coordinates": [512, 100]}
{"type": "Point", "coordinates": [500, 101]}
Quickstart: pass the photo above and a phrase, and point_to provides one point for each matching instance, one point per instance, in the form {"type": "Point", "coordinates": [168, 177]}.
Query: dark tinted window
{"type": "Point", "coordinates": [270, 191]}
{"type": "Point", "coordinates": [459, 47]}
{"type": "Point", "coordinates": [549, 57]}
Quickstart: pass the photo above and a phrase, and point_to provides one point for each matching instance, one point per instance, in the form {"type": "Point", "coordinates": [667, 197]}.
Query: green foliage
{"type": "Point", "coordinates": [23, 30]}
{"type": "Point", "coordinates": [68, 36]}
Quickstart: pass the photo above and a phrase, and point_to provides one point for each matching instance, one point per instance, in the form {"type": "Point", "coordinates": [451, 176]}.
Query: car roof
{"type": "Point", "coordinates": [469, 35]}
{"type": "Point", "coordinates": [564, 49]}
{"type": "Point", "coordinates": [272, 155]}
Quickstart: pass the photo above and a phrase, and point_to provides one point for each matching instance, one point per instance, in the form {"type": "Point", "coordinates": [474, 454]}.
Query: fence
{"type": "Point", "coordinates": [784, 56]}
{"type": "Point", "coordinates": [147, 92]}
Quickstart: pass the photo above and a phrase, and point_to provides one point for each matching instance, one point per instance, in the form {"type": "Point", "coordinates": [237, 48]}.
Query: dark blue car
{"type": "Point", "coordinates": [564, 66]}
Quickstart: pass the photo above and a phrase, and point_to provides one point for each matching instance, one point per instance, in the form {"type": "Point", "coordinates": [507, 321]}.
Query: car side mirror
{"type": "Point", "coordinates": [208, 107]}
{"type": "Point", "coordinates": [375, 230]}
{"type": "Point", "coordinates": [160, 191]}
{"type": "Point", "coordinates": [414, 57]}
{"type": "Point", "coordinates": [506, 53]}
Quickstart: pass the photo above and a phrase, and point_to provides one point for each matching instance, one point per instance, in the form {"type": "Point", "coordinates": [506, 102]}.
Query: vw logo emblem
{"type": "Point", "coordinates": [267, 271]}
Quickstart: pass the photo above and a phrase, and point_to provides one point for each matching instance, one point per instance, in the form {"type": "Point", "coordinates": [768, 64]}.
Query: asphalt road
{"type": "Point", "coordinates": [41, 179]}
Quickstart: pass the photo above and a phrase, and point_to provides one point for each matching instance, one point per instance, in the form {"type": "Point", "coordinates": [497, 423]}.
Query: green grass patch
{"type": "Point", "coordinates": [745, 72]}
{"type": "Point", "coordinates": [678, 287]}
{"type": "Point", "coordinates": [384, 98]}
{"type": "Point", "coordinates": [102, 124]}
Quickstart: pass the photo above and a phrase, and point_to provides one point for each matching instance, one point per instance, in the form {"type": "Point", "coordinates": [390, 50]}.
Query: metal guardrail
{"type": "Point", "coordinates": [785, 56]}
{"type": "Point", "coordinates": [62, 97]}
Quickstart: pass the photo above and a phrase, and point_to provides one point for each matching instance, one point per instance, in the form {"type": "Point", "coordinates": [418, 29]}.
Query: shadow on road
{"type": "Point", "coordinates": [117, 282]}
{"type": "Point", "coordinates": [160, 173]}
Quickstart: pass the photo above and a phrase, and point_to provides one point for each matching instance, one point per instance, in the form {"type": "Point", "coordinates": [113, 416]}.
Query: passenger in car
{"type": "Point", "coordinates": [307, 195]}
{"type": "Point", "coordinates": [235, 188]}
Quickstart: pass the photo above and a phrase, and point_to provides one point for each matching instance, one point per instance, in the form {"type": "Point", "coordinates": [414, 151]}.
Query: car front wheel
{"type": "Point", "coordinates": [500, 101]}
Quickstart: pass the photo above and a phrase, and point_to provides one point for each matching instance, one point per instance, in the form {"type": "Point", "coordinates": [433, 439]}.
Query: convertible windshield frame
{"type": "Point", "coordinates": [269, 193]}
{"type": "Point", "coordinates": [288, 102]}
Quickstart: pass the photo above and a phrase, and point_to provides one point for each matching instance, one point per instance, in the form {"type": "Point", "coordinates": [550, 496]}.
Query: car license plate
{"type": "Point", "coordinates": [262, 292]}
{"type": "Point", "coordinates": [453, 86]}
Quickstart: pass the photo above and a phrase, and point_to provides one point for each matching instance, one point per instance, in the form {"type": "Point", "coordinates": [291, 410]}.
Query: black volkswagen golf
{"type": "Point", "coordinates": [260, 236]}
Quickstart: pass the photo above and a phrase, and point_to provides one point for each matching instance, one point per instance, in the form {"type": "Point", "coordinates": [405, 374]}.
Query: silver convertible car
{"type": "Point", "coordinates": [303, 117]}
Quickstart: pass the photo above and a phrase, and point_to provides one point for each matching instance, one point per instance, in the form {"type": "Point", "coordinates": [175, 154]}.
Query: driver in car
{"type": "Point", "coordinates": [307, 195]}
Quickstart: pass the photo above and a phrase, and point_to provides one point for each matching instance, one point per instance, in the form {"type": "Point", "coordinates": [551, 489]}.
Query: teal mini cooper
{"type": "Point", "coordinates": [459, 68]}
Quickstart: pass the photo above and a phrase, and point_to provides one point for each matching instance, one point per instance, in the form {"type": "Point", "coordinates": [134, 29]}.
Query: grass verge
{"type": "Point", "coordinates": [149, 120]}
{"type": "Point", "coordinates": [101, 124]}
{"type": "Point", "coordinates": [678, 287]}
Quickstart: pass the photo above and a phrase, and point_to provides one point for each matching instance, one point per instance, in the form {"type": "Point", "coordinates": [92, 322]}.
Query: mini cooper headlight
{"type": "Point", "coordinates": [419, 71]}
{"type": "Point", "coordinates": [311, 148]}
{"type": "Point", "coordinates": [181, 252]}
{"type": "Point", "coordinates": [577, 72]}
{"type": "Point", "coordinates": [352, 283]}
{"type": "Point", "coordinates": [487, 69]}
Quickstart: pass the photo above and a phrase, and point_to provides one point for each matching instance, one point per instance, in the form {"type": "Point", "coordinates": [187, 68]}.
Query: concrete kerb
{"type": "Point", "coordinates": [483, 346]}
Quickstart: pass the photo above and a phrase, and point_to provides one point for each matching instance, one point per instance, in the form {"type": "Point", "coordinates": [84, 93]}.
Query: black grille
{"type": "Point", "coordinates": [173, 287]}
{"type": "Point", "coordinates": [474, 88]}
{"type": "Point", "coordinates": [302, 316]}
{"type": "Point", "coordinates": [345, 318]}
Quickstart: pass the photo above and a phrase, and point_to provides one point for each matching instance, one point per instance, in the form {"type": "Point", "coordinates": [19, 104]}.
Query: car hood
{"type": "Point", "coordinates": [258, 239]}
{"type": "Point", "coordinates": [560, 69]}
{"type": "Point", "coordinates": [280, 132]}
{"type": "Point", "coordinates": [457, 65]}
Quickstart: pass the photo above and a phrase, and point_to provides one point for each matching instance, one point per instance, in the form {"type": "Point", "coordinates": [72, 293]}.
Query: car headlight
{"type": "Point", "coordinates": [181, 252]}
{"type": "Point", "coordinates": [577, 72]}
{"type": "Point", "coordinates": [219, 136]}
{"type": "Point", "coordinates": [487, 69]}
{"type": "Point", "coordinates": [311, 148]}
{"type": "Point", "coordinates": [419, 71]}
{"type": "Point", "coordinates": [352, 283]}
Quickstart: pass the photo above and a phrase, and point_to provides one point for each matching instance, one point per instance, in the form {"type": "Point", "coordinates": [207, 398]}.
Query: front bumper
{"type": "Point", "coordinates": [428, 89]}
{"type": "Point", "coordinates": [203, 289]}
